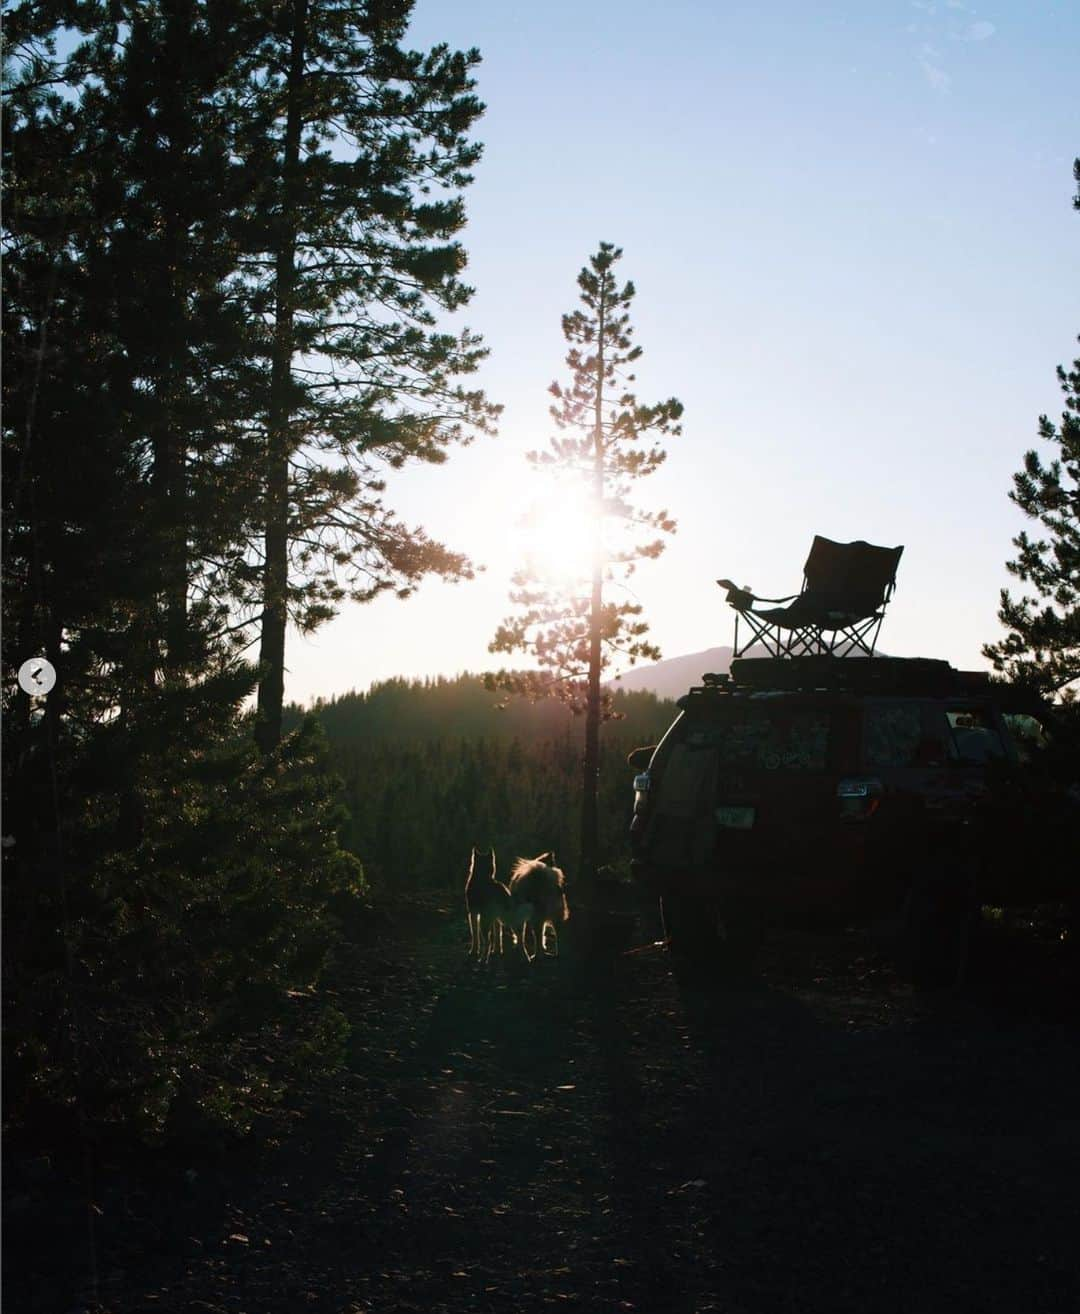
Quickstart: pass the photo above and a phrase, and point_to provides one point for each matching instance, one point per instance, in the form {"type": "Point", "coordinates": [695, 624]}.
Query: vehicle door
{"type": "Point", "coordinates": [976, 799]}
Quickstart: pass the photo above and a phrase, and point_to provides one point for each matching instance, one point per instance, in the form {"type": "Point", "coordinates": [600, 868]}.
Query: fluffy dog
{"type": "Point", "coordinates": [538, 896]}
{"type": "Point", "coordinates": [487, 905]}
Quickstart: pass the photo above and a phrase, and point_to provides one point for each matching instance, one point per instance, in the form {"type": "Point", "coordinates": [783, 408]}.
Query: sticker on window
{"type": "Point", "coordinates": [893, 735]}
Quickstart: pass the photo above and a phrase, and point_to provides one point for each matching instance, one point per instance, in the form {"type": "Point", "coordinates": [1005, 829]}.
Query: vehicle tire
{"type": "Point", "coordinates": [692, 934]}
{"type": "Point", "coordinates": [939, 916]}
{"type": "Point", "coordinates": [741, 937]}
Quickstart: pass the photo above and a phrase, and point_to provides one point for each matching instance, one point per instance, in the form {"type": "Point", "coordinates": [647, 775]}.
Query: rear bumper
{"type": "Point", "coordinates": [832, 891]}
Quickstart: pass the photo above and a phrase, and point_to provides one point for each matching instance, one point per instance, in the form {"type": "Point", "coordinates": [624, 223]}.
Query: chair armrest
{"type": "Point", "coordinates": [743, 599]}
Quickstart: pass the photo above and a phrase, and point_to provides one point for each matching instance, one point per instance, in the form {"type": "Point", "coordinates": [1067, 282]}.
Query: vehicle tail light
{"type": "Point", "coordinates": [859, 797]}
{"type": "Point", "coordinates": [642, 781]}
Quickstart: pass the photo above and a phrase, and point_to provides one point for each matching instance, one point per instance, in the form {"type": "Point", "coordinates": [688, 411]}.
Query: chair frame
{"type": "Point", "coordinates": [808, 640]}
{"type": "Point", "coordinates": [857, 635]}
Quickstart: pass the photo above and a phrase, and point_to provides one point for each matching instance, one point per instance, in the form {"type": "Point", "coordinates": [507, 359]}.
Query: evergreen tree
{"type": "Point", "coordinates": [166, 883]}
{"type": "Point", "coordinates": [267, 244]}
{"type": "Point", "coordinates": [130, 382]}
{"type": "Point", "coordinates": [1042, 646]}
{"type": "Point", "coordinates": [573, 634]}
{"type": "Point", "coordinates": [179, 200]}
{"type": "Point", "coordinates": [365, 148]}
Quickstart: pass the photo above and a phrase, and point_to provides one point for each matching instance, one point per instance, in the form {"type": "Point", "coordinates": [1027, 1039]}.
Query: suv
{"type": "Point", "coordinates": [836, 790]}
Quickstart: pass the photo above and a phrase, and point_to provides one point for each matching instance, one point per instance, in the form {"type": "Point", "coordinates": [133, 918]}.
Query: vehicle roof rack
{"type": "Point", "coordinates": [925, 675]}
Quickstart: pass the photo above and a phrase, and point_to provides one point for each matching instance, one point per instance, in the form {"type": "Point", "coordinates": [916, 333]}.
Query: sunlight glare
{"type": "Point", "coordinates": [556, 537]}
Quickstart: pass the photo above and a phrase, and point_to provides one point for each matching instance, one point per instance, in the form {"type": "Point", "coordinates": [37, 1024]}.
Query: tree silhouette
{"type": "Point", "coordinates": [365, 150]}
{"type": "Point", "coordinates": [167, 884]}
{"type": "Point", "coordinates": [574, 632]}
{"type": "Point", "coordinates": [1042, 646]}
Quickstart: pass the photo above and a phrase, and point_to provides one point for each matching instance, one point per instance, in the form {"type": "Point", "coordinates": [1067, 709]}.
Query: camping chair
{"type": "Point", "coordinates": [839, 611]}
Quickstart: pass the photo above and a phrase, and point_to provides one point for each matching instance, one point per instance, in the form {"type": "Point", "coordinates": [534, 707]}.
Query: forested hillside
{"type": "Point", "coordinates": [432, 767]}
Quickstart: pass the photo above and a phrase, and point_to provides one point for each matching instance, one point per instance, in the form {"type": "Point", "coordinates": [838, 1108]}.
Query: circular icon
{"type": "Point", "coordinates": [37, 676]}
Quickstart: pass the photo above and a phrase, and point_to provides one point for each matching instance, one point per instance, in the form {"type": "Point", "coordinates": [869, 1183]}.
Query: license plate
{"type": "Point", "coordinates": [735, 818]}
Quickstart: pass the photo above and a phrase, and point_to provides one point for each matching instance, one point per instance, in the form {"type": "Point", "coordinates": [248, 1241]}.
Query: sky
{"type": "Point", "coordinates": [850, 229]}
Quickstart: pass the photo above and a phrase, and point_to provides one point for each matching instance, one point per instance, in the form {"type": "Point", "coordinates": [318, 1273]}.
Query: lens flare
{"type": "Point", "coordinates": [557, 538]}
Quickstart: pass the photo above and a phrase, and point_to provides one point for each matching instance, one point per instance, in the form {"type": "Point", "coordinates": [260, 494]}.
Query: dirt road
{"type": "Point", "coordinates": [817, 1139]}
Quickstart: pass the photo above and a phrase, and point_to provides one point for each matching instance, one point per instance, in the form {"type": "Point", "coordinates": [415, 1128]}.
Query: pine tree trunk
{"type": "Point", "coordinates": [170, 497]}
{"type": "Point", "coordinates": [278, 439]}
{"type": "Point", "coordinates": [591, 763]}
{"type": "Point", "coordinates": [170, 451]}
{"type": "Point", "coordinates": [176, 566]}
{"type": "Point", "coordinates": [168, 435]}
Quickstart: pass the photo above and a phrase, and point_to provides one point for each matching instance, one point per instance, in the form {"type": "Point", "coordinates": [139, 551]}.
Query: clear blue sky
{"type": "Point", "coordinates": [851, 232]}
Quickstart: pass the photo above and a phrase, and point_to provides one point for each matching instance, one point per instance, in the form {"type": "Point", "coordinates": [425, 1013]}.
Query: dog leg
{"type": "Point", "coordinates": [472, 934]}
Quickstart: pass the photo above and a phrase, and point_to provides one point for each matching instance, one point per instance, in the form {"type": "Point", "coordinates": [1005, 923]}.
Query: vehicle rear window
{"type": "Point", "coordinates": [767, 737]}
{"type": "Point", "coordinates": [975, 739]}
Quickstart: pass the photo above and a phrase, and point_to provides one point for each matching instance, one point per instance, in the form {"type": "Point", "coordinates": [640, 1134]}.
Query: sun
{"type": "Point", "coordinates": [556, 538]}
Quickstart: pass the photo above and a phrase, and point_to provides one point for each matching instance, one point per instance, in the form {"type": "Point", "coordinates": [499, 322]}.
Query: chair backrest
{"type": "Point", "coordinates": [859, 570]}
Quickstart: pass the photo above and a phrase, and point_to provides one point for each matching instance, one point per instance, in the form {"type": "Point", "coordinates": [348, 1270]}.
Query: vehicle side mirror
{"type": "Point", "coordinates": [640, 758]}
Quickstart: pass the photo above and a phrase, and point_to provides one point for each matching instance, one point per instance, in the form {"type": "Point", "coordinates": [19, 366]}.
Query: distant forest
{"type": "Point", "coordinates": [432, 767]}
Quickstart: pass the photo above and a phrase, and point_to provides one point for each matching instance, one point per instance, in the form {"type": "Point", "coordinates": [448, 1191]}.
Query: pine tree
{"type": "Point", "coordinates": [366, 152]}
{"type": "Point", "coordinates": [1042, 646]}
{"type": "Point", "coordinates": [275, 186]}
{"type": "Point", "coordinates": [132, 378]}
{"type": "Point", "coordinates": [574, 635]}
{"type": "Point", "coordinates": [164, 875]}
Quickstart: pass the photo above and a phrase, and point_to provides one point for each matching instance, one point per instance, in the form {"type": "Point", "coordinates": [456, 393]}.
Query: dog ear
{"type": "Point", "coordinates": [543, 857]}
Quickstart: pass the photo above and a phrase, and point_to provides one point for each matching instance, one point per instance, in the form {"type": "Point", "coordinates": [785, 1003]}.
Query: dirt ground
{"type": "Point", "coordinates": [816, 1138]}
